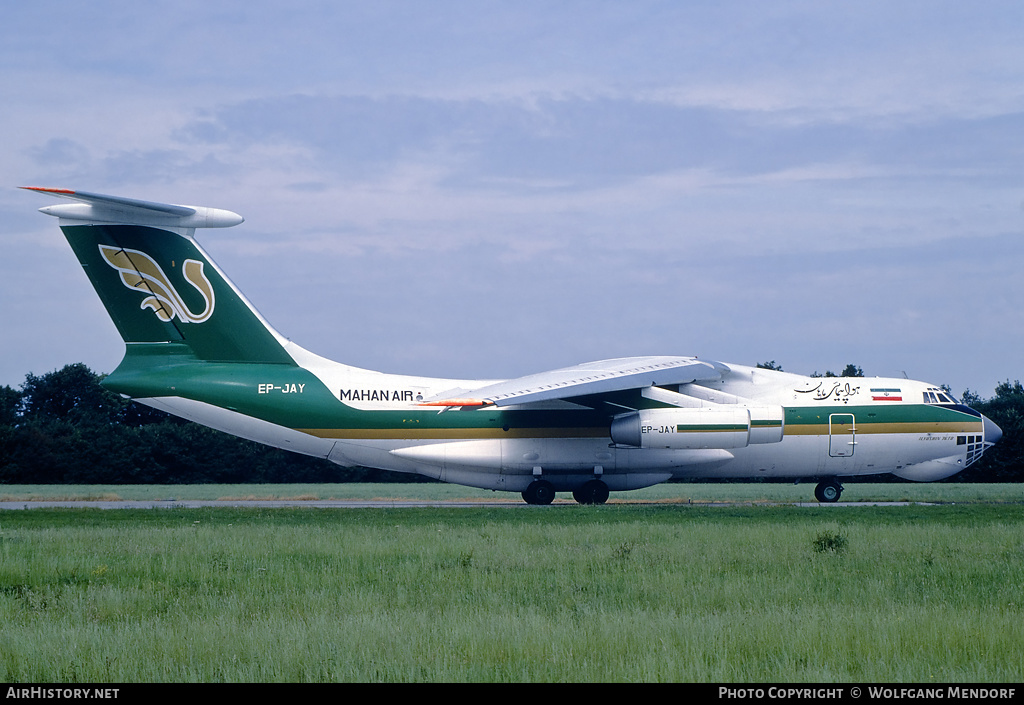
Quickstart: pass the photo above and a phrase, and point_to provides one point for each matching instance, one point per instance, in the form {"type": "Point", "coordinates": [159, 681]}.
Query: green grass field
{"type": "Point", "coordinates": [655, 592]}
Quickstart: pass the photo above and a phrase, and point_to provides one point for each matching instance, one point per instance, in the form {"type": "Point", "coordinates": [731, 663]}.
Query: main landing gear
{"type": "Point", "coordinates": [592, 492]}
{"type": "Point", "coordinates": [539, 492]}
{"type": "Point", "coordinates": [828, 490]}
{"type": "Point", "coordinates": [543, 492]}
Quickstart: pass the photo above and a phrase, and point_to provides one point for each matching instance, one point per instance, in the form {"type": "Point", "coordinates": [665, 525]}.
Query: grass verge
{"type": "Point", "coordinates": [613, 593]}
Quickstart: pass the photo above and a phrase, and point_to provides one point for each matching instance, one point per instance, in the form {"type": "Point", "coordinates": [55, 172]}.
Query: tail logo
{"type": "Point", "coordinates": [139, 272]}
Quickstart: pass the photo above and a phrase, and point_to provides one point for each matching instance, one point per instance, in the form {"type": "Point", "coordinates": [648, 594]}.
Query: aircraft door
{"type": "Point", "coordinates": [842, 435]}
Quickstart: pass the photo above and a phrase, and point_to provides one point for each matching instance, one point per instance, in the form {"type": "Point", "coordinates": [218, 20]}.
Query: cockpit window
{"type": "Point", "coordinates": [937, 396]}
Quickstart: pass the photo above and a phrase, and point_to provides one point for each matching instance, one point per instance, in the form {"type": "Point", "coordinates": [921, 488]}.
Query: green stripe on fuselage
{"type": "Point", "coordinates": [291, 396]}
{"type": "Point", "coordinates": [882, 418]}
{"type": "Point", "coordinates": [711, 428]}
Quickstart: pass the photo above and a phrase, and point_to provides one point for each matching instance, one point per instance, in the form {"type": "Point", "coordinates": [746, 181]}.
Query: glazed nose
{"type": "Point", "coordinates": [992, 432]}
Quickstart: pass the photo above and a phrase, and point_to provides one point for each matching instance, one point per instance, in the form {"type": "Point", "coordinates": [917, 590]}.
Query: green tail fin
{"type": "Point", "coordinates": [162, 290]}
{"type": "Point", "coordinates": [160, 287]}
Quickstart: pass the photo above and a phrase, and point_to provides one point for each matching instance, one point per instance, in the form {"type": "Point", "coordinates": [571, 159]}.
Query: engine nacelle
{"type": "Point", "coordinates": [705, 427]}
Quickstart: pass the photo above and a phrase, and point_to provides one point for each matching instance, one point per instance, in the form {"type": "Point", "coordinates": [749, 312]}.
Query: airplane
{"type": "Point", "coordinates": [195, 347]}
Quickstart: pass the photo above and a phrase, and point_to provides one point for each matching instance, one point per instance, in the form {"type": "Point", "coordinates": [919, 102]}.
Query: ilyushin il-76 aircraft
{"type": "Point", "coordinates": [196, 348]}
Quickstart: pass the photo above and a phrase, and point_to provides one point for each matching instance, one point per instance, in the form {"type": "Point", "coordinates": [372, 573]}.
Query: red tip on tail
{"type": "Point", "coordinates": [43, 189]}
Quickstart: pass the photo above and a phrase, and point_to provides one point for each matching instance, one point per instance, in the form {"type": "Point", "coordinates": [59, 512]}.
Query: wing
{"type": "Point", "coordinates": [590, 378]}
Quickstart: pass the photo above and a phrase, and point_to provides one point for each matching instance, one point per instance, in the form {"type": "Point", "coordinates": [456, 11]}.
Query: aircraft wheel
{"type": "Point", "coordinates": [584, 494]}
{"type": "Point", "coordinates": [539, 492]}
{"type": "Point", "coordinates": [592, 492]}
{"type": "Point", "coordinates": [828, 491]}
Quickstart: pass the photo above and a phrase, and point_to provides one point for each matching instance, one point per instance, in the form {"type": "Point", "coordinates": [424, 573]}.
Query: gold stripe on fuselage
{"type": "Point", "coordinates": [821, 429]}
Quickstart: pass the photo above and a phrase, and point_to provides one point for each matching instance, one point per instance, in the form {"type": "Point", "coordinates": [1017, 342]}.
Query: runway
{"type": "Point", "coordinates": [395, 504]}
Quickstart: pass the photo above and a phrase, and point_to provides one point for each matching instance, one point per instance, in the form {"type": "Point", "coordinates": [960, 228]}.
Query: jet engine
{"type": "Point", "coordinates": [705, 427]}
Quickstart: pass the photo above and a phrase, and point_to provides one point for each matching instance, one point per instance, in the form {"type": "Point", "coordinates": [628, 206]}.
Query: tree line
{"type": "Point", "coordinates": [63, 427]}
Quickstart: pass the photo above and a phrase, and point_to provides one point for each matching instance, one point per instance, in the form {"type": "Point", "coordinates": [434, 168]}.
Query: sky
{"type": "Point", "coordinates": [491, 189]}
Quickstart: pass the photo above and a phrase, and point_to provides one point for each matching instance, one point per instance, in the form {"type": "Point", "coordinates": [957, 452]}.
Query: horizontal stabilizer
{"type": "Point", "coordinates": [100, 208]}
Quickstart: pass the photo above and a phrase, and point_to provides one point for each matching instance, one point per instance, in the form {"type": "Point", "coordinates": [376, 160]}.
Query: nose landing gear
{"type": "Point", "coordinates": [828, 490]}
